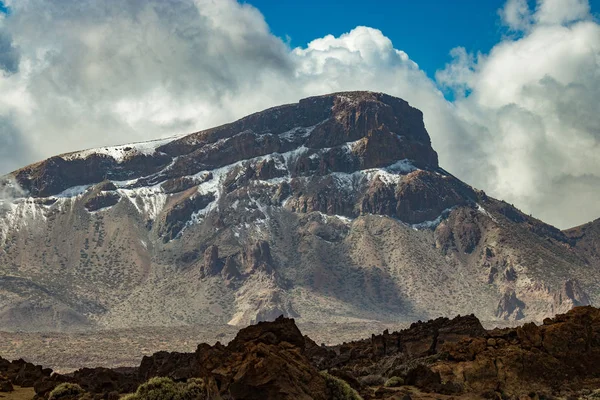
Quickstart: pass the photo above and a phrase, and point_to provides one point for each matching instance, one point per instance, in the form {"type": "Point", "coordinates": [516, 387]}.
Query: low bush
{"type": "Point", "coordinates": [161, 388]}
{"type": "Point", "coordinates": [339, 389]}
{"type": "Point", "coordinates": [66, 391]}
{"type": "Point", "coordinates": [394, 381]}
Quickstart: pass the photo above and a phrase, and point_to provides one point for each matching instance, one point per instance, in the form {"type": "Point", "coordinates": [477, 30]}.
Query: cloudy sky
{"type": "Point", "coordinates": [518, 117]}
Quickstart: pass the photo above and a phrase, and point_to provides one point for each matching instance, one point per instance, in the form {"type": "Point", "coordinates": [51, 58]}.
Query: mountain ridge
{"type": "Point", "coordinates": [333, 208]}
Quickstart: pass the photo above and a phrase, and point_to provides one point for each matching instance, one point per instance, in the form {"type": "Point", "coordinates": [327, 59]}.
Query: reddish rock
{"type": "Point", "coordinates": [230, 270]}
{"type": "Point", "coordinates": [264, 361]}
{"type": "Point", "coordinates": [258, 257]}
{"type": "Point", "coordinates": [212, 265]}
{"type": "Point", "coordinates": [272, 360]}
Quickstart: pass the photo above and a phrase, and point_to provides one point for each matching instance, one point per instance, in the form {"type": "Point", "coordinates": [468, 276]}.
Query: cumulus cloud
{"type": "Point", "coordinates": [516, 15]}
{"type": "Point", "coordinates": [9, 55]}
{"type": "Point", "coordinates": [561, 11]}
{"type": "Point", "coordinates": [84, 74]}
{"type": "Point", "coordinates": [537, 97]}
{"type": "Point", "coordinates": [92, 74]}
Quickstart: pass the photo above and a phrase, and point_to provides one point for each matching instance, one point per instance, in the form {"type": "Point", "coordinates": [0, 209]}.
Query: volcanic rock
{"type": "Point", "coordinates": [212, 265]}
{"type": "Point", "coordinates": [272, 360]}
{"type": "Point", "coordinates": [5, 385]}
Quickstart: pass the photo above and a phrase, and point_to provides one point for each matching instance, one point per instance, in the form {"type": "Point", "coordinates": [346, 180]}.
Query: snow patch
{"type": "Point", "coordinates": [344, 219]}
{"type": "Point", "coordinates": [74, 191]}
{"type": "Point", "coordinates": [120, 153]}
{"type": "Point", "coordinates": [485, 212]}
{"type": "Point", "coordinates": [392, 174]}
{"type": "Point", "coordinates": [298, 132]}
{"type": "Point", "coordinates": [212, 186]}
{"type": "Point", "coordinates": [20, 213]}
{"type": "Point", "coordinates": [148, 201]}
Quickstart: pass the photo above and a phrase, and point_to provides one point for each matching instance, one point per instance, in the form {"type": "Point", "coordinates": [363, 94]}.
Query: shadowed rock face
{"type": "Point", "coordinates": [272, 360]}
{"type": "Point", "coordinates": [510, 307]}
{"type": "Point", "coordinates": [56, 174]}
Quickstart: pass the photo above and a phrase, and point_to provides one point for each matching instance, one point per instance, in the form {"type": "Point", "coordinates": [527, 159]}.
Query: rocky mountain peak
{"type": "Point", "coordinates": [348, 131]}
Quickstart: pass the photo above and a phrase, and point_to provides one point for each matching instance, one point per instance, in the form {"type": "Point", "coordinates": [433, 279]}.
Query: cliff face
{"type": "Point", "coordinates": [331, 209]}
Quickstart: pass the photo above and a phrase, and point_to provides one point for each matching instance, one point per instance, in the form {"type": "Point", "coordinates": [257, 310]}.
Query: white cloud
{"type": "Point", "coordinates": [516, 15]}
{"type": "Point", "coordinates": [537, 98]}
{"type": "Point", "coordinates": [554, 12]}
{"type": "Point", "coordinates": [92, 75]}
{"type": "Point", "coordinates": [88, 75]}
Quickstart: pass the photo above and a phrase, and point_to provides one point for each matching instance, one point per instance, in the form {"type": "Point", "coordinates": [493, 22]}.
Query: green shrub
{"type": "Point", "coordinates": [394, 381]}
{"type": "Point", "coordinates": [66, 390]}
{"type": "Point", "coordinates": [193, 389]}
{"type": "Point", "coordinates": [158, 389]}
{"type": "Point", "coordinates": [339, 389]}
{"type": "Point", "coordinates": [161, 388]}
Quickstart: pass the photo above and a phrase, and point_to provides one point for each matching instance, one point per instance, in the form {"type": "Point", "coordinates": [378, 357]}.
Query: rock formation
{"type": "Point", "coordinates": [441, 357]}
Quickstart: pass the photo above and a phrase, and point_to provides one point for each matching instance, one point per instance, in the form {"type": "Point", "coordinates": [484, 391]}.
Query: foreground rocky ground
{"type": "Point", "coordinates": [439, 359]}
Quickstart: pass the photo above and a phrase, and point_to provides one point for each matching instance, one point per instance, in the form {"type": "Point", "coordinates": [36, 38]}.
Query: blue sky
{"type": "Point", "coordinates": [426, 30]}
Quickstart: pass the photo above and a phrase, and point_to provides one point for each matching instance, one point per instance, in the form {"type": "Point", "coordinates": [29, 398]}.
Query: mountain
{"type": "Point", "coordinates": [333, 209]}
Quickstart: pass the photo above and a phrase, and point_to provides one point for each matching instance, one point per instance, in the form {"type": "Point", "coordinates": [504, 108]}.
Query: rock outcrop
{"type": "Point", "coordinates": [441, 357]}
{"type": "Point", "coordinates": [212, 264]}
{"type": "Point", "coordinates": [510, 307]}
{"type": "Point", "coordinates": [571, 295]}
{"type": "Point", "coordinates": [264, 361]}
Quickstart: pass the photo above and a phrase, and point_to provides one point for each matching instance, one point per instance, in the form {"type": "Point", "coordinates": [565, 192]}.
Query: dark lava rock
{"type": "Point", "coordinates": [272, 360]}
{"type": "Point", "coordinates": [264, 361]}
{"type": "Point", "coordinates": [5, 385]}
{"type": "Point", "coordinates": [212, 265]}
{"type": "Point", "coordinates": [102, 200]}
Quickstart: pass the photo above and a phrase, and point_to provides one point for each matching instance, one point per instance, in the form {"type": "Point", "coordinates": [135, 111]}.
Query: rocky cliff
{"type": "Point", "coordinates": [333, 209]}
